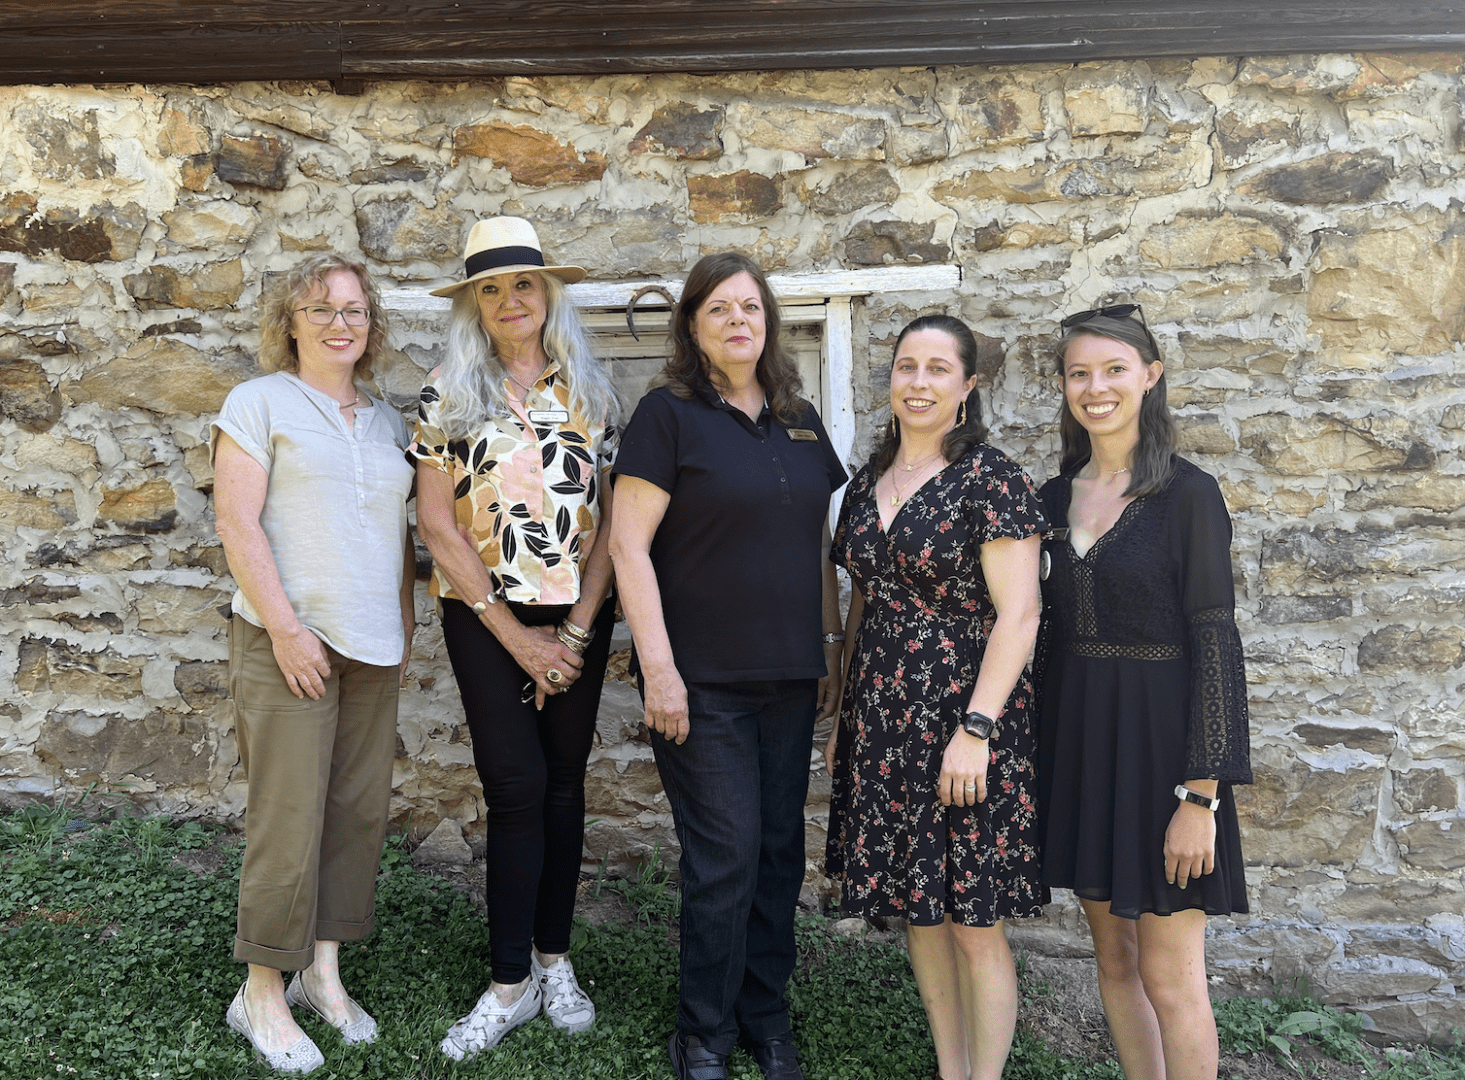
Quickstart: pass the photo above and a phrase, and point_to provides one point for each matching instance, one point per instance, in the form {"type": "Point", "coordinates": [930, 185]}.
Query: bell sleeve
{"type": "Point", "coordinates": [1218, 734]}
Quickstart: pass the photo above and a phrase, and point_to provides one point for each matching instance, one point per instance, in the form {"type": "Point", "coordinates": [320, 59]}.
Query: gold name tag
{"type": "Point", "coordinates": [549, 416]}
{"type": "Point", "coordinates": [801, 434]}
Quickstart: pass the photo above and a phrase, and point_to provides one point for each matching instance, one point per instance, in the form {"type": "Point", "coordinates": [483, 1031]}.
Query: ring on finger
{"type": "Point", "coordinates": [555, 675]}
{"type": "Point", "coordinates": [971, 787]}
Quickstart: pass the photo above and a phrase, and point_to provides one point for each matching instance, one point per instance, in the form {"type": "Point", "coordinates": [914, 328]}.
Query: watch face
{"type": "Point", "coordinates": [977, 726]}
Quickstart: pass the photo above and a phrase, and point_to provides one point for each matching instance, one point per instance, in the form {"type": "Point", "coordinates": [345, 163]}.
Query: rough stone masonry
{"type": "Point", "coordinates": [1294, 227]}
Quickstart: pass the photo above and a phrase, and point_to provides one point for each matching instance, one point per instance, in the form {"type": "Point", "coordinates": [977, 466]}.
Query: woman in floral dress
{"type": "Point", "coordinates": [932, 817]}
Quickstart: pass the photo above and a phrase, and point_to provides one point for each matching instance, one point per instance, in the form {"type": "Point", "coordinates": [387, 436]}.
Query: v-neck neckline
{"type": "Point", "coordinates": [1099, 540]}
{"type": "Point", "coordinates": [875, 494]}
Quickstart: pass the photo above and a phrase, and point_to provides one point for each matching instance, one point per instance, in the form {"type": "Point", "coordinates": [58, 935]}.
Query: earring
{"type": "Point", "coordinates": [961, 417]}
{"type": "Point", "coordinates": [1146, 393]}
{"type": "Point", "coordinates": [894, 430]}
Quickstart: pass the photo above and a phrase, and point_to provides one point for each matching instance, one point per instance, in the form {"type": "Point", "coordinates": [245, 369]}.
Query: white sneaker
{"type": "Point", "coordinates": [567, 1006]}
{"type": "Point", "coordinates": [489, 1022]}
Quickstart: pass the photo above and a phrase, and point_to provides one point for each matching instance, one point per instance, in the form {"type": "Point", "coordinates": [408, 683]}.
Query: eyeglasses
{"type": "Point", "coordinates": [1113, 311]}
{"type": "Point", "coordinates": [324, 316]}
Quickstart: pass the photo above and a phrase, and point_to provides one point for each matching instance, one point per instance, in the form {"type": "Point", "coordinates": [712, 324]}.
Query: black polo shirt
{"type": "Point", "coordinates": [737, 554]}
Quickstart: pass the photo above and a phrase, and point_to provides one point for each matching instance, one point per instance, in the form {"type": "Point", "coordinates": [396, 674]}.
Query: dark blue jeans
{"type": "Point", "coordinates": [737, 788]}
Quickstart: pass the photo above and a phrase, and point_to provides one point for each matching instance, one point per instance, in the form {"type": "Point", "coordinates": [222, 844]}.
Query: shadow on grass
{"type": "Point", "coordinates": [115, 945]}
{"type": "Point", "coordinates": [115, 941]}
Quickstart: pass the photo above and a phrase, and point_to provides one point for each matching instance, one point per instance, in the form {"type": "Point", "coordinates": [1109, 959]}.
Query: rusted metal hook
{"type": "Point", "coordinates": [631, 305]}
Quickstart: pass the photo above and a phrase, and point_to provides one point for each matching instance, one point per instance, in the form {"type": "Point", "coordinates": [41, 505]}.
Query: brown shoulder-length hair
{"type": "Point", "coordinates": [1154, 455]}
{"type": "Point", "coordinates": [285, 292]}
{"type": "Point", "coordinates": [688, 372]}
{"type": "Point", "coordinates": [963, 436]}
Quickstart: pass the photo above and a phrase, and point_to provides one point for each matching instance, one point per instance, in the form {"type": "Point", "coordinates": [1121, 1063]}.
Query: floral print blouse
{"type": "Point", "coordinates": [528, 492]}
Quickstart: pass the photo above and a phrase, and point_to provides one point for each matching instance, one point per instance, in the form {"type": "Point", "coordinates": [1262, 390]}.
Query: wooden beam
{"type": "Point", "coordinates": [165, 54]}
{"type": "Point", "coordinates": [215, 41]}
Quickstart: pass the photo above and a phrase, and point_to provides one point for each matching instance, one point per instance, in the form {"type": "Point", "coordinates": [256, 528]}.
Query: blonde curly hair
{"type": "Point", "coordinates": [283, 293]}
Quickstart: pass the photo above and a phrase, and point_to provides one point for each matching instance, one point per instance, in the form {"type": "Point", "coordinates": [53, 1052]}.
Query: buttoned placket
{"type": "Point", "coordinates": [531, 435]}
{"type": "Point", "coordinates": [355, 434]}
{"type": "Point", "coordinates": [763, 428]}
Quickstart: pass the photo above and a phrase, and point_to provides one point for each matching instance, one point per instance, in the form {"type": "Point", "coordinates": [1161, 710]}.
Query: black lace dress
{"type": "Point", "coordinates": [895, 848]}
{"type": "Point", "coordinates": [1141, 687]}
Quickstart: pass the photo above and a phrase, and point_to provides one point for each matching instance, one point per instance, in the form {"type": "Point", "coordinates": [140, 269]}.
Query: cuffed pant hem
{"type": "Point", "coordinates": [345, 931]}
{"type": "Point", "coordinates": [247, 952]}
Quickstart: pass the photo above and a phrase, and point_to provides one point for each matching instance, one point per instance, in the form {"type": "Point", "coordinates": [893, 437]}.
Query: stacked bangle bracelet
{"type": "Point", "coordinates": [574, 638]}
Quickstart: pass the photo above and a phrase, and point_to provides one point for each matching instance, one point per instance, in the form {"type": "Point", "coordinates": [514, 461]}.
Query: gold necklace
{"type": "Point", "coordinates": [899, 496]}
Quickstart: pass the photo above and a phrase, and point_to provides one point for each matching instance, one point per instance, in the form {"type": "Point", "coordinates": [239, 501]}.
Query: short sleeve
{"type": "Point", "coordinates": [648, 446]}
{"type": "Point", "coordinates": [394, 421]}
{"type": "Point", "coordinates": [839, 548]}
{"type": "Point", "coordinates": [610, 443]}
{"type": "Point", "coordinates": [1004, 502]}
{"type": "Point", "coordinates": [1218, 740]}
{"type": "Point", "coordinates": [245, 418]}
{"type": "Point", "coordinates": [428, 443]}
{"type": "Point", "coordinates": [832, 465]}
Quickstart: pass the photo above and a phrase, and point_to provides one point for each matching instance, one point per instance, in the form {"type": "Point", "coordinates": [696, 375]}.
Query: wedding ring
{"type": "Point", "coordinates": [971, 787]}
{"type": "Point", "coordinates": [555, 675]}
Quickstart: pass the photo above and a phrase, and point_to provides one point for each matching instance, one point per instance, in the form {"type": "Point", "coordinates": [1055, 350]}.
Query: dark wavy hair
{"type": "Point", "coordinates": [1153, 463]}
{"type": "Point", "coordinates": [689, 372]}
{"type": "Point", "coordinates": [961, 438]}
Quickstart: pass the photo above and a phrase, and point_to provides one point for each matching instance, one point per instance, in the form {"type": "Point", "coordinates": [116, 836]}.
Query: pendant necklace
{"type": "Point", "coordinates": [897, 498]}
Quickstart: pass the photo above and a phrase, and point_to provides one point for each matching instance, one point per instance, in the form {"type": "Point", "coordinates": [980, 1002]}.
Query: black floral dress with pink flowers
{"type": "Point", "coordinates": [894, 848]}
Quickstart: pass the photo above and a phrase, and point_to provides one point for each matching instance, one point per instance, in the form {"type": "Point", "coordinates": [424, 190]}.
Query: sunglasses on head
{"type": "Point", "coordinates": [1113, 311]}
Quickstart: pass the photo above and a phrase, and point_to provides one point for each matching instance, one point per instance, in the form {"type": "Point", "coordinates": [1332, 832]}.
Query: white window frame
{"type": "Point", "coordinates": [813, 298]}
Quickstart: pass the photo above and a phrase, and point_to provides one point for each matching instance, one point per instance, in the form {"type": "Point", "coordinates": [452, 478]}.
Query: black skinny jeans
{"type": "Point", "coordinates": [532, 768]}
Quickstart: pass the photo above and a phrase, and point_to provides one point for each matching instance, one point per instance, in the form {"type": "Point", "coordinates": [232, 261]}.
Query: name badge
{"type": "Point", "coordinates": [800, 434]}
{"type": "Point", "coordinates": [549, 416]}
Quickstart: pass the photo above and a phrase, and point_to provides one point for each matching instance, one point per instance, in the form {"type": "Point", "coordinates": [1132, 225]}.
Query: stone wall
{"type": "Point", "coordinates": [1295, 229]}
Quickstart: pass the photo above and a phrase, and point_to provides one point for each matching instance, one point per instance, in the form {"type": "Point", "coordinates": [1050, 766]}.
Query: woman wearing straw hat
{"type": "Point", "coordinates": [514, 433]}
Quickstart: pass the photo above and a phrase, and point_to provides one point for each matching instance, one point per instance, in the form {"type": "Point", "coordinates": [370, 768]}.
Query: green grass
{"type": "Point", "coordinates": [116, 965]}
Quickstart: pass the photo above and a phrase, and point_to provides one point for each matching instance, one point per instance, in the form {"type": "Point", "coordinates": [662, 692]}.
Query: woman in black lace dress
{"type": "Point", "coordinates": [932, 817]}
{"type": "Point", "coordinates": [1142, 696]}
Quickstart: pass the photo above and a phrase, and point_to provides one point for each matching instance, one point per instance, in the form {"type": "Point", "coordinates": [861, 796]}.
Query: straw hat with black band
{"type": "Point", "coordinates": [505, 245]}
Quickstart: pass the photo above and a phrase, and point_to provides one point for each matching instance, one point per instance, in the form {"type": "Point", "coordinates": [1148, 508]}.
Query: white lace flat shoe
{"type": "Point", "coordinates": [567, 1006]}
{"type": "Point", "coordinates": [303, 1057]}
{"type": "Point", "coordinates": [489, 1022]}
{"type": "Point", "coordinates": [360, 1030]}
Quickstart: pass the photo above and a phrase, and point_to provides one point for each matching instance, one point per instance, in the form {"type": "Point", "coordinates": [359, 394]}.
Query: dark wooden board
{"type": "Point", "coordinates": [213, 41]}
{"type": "Point", "coordinates": [187, 54]}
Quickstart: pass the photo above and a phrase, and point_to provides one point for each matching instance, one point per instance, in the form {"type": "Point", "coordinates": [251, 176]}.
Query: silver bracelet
{"type": "Point", "coordinates": [830, 639]}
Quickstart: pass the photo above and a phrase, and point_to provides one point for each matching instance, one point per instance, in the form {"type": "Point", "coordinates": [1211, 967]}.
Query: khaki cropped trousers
{"type": "Point", "coordinates": [320, 779]}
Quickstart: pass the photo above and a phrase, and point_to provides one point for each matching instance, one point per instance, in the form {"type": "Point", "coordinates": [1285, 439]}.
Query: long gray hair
{"type": "Point", "coordinates": [1158, 435]}
{"type": "Point", "coordinates": [472, 379]}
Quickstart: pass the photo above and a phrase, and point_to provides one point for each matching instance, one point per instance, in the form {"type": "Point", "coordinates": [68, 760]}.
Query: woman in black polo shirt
{"type": "Point", "coordinates": [719, 542]}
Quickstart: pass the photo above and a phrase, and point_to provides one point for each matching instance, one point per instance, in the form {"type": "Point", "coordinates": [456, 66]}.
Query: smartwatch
{"type": "Point", "coordinates": [1184, 794]}
{"type": "Point", "coordinates": [978, 725]}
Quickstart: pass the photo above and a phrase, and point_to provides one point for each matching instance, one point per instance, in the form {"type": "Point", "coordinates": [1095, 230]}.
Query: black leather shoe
{"type": "Point", "coordinates": [690, 1060]}
{"type": "Point", "coordinates": [777, 1056]}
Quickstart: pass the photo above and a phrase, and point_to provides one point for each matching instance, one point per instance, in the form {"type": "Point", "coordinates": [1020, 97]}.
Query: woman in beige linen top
{"type": "Point", "coordinates": [310, 489]}
{"type": "Point", "coordinates": [514, 437]}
